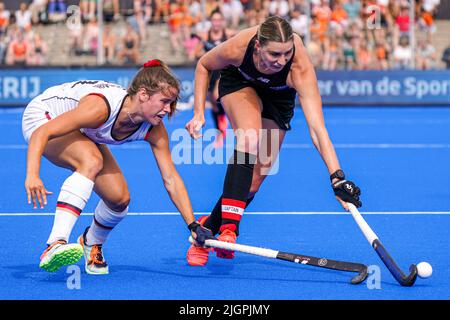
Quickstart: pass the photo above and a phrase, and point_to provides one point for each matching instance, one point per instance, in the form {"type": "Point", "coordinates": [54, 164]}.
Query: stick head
{"type": "Point", "coordinates": [411, 278]}
{"type": "Point", "coordinates": [360, 277]}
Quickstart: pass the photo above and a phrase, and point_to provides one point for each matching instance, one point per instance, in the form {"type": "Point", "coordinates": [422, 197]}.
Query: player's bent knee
{"type": "Point", "coordinates": [92, 165]}
{"type": "Point", "coordinates": [119, 204]}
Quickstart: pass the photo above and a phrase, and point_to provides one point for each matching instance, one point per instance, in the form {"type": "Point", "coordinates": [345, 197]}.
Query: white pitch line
{"type": "Point", "coordinates": [12, 110]}
{"type": "Point", "coordinates": [31, 214]}
{"type": "Point", "coordinates": [373, 146]}
{"type": "Point", "coordinates": [13, 146]}
{"type": "Point", "coordinates": [287, 146]}
{"type": "Point", "coordinates": [396, 122]}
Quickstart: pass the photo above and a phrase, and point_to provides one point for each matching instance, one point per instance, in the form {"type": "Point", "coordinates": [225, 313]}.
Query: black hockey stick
{"type": "Point", "coordinates": [404, 280]}
{"type": "Point", "coordinates": [359, 268]}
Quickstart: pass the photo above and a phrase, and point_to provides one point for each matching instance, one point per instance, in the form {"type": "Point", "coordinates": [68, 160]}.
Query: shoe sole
{"type": "Point", "coordinates": [86, 267]}
{"type": "Point", "coordinates": [195, 262]}
{"type": "Point", "coordinates": [70, 255]}
{"type": "Point", "coordinates": [97, 273]}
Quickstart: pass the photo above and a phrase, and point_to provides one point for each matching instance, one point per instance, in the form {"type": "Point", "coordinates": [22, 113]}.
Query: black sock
{"type": "Point", "coordinates": [236, 188]}
{"type": "Point", "coordinates": [214, 221]}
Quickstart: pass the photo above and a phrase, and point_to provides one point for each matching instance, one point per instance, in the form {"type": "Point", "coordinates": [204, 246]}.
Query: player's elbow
{"type": "Point", "coordinates": [203, 65]}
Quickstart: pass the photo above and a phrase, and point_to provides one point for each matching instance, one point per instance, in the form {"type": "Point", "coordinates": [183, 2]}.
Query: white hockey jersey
{"type": "Point", "coordinates": [59, 99]}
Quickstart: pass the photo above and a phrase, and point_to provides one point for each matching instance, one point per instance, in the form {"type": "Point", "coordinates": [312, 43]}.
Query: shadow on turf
{"type": "Point", "coordinates": [222, 269]}
{"type": "Point", "coordinates": [33, 272]}
{"type": "Point", "coordinates": [214, 270]}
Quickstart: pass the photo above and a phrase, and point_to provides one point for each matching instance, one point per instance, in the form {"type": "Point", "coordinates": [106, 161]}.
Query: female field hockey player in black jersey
{"type": "Point", "coordinates": [262, 70]}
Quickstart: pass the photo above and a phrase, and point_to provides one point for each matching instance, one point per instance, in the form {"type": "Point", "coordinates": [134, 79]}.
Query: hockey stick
{"type": "Point", "coordinates": [361, 269]}
{"type": "Point", "coordinates": [404, 280]}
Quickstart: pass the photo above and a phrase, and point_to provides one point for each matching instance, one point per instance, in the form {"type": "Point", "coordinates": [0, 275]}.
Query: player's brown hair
{"type": "Point", "coordinates": [155, 76]}
{"type": "Point", "coordinates": [274, 29]}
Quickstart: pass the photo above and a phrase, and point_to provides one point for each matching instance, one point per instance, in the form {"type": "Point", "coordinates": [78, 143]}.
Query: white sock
{"type": "Point", "coordinates": [74, 194]}
{"type": "Point", "coordinates": [104, 221]}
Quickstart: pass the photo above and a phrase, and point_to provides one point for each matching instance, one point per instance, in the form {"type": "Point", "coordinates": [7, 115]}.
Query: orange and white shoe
{"type": "Point", "coordinates": [59, 254]}
{"type": "Point", "coordinates": [227, 235]}
{"type": "Point", "coordinates": [93, 255]}
{"type": "Point", "coordinates": [198, 256]}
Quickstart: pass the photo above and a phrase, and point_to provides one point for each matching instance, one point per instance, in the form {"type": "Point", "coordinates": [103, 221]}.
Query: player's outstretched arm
{"type": "Point", "coordinates": [90, 113]}
{"type": "Point", "coordinates": [303, 79]}
{"type": "Point", "coordinates": [159, 142]}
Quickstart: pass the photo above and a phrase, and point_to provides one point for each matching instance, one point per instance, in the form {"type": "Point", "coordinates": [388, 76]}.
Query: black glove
{"type": "Point", "coordinates": [201, 232]}
{"type": "Point", "coordinates": [347, 191]}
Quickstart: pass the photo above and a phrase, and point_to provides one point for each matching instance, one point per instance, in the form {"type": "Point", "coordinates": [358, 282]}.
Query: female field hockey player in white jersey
{"type": "Point", "coordinates": [71, 125]}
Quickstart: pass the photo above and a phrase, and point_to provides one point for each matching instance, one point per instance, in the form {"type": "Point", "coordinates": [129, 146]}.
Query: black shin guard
{"type": "Point", "coordinates": [238, 181]}
{"type": "Point", "coordinates": [214, 221]}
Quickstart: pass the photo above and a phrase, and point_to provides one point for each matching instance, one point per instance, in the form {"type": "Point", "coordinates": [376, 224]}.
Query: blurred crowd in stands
{"type": "Point", "coordinates": [343, 34]}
